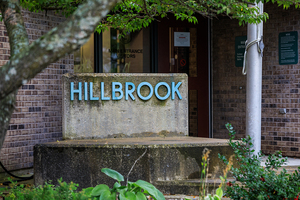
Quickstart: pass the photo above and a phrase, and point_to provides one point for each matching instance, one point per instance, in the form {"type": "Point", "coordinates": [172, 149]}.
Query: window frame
{"type": "Point", "coordinates": [98, 52]}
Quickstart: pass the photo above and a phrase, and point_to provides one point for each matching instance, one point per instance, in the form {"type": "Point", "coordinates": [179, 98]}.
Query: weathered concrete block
{"type": "Point", "coordinates": [131, 111]}
{"type": "Point", "coordinates": [167, 159]}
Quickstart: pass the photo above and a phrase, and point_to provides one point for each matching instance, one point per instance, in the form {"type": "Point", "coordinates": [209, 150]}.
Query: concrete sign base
{"type": "Point", "coordinates": [124, 105]}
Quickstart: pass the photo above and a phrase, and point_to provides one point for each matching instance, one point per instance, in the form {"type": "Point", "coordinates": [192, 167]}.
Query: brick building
{"type": "Point", "coordinates": [280, 84]}
{"type": "Point", "coordinates": [217, 90]}
{"type": "Point", "coordinates": [37, 118]}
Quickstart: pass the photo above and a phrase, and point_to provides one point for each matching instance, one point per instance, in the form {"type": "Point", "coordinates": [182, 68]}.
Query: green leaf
{"type": "Point", "coordinates": [217, 197]}
{"type": "Point", "coordinates": [140, 196]}
{"type": "Point", "coordinates": [130, 195]}
{"type": "Point", "coordinates": [219, 192]}
{"type": "Point", "coordinates": [222, 178]}
{"type": "Point", "coordinates": [150, 189]}
{"type": "Point", "coordinates": [113, 174]}
{"type": "Point", "coordinates": [122, 189]}
{"type": "Point", "coordinates": [99, 189]}
{"type": "Point", "coordinates": [117, 185]}
{"type": "Point", "coordinates": [88, 191]}
{"type": "Point", "coordinates": [106, 195]}
{"type": "Point", "coordinates": [159, 8]}
{"type": "Point", "coordinates": [122, 196]}
{"type": "Point", "coordinates": [208, 197]}
{"type": "Point", "coordinates": [127, 196]}
{"type": "Point", "coordinates": [260, 197]}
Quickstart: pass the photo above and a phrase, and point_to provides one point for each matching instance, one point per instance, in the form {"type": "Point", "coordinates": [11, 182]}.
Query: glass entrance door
{"type": "Point", "coordinates": [183, 59]}
{"type": "Point", "coordinates": [187, 52]}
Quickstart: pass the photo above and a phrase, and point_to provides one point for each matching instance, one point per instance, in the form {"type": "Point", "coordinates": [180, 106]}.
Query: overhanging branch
{"type": "Point", "coordinates": [13, 20]}
{"type": "Point", "coordinates": [58, 42]}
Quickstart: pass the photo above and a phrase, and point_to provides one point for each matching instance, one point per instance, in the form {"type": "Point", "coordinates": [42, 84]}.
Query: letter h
{"type": "Point", "coordinates": [79, 91]}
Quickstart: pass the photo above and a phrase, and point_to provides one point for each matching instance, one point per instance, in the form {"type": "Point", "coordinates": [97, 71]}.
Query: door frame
{"type": "Point", "coordinates": [210, 77]}
{"type": "Point", "coordinates": [209, 68]}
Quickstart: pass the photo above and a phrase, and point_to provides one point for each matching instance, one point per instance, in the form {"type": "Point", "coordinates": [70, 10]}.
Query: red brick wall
{"type": "Point", "coordinates": [228, 98]}
{"type": "Point", "coordinates": [280, 84]}
{"type": "Point", "coordinates": [38, 116]}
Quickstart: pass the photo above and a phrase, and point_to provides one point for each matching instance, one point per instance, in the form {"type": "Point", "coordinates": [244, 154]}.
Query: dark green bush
{"type": "Point", "coordinates": [253, 181]}
{"type": "Point", "coordinates": [48, 191]}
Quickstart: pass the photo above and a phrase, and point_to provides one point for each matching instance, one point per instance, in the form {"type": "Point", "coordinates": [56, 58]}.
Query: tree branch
{"type": "Point", "coordinates": [18, 40]}
{"type": "Point", "coordinates": [145, 7]}
{"type": "Point", "coordinates": [7, 107]}
{"type": "Point", "coordinates": [13, 20]}
{"type": "Point", "coordinates": [58, 42]}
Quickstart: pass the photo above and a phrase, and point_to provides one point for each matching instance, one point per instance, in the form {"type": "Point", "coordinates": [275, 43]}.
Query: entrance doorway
{"type": "Point", "coordinates": [169, 46]}
{"type": "Point", "coordinates": [183, 48]}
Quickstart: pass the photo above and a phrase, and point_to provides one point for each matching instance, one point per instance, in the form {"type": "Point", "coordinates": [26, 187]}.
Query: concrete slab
{"type": "Point", "coordinates": [150, 142]}
{"type": "Point", "coordinates": [167, 159]}
{"type": "Point", "coordinates": [190, 186]}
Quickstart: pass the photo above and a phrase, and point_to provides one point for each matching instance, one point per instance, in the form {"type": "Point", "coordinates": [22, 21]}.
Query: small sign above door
{"type": "Point", "coordinates": [181, 39]}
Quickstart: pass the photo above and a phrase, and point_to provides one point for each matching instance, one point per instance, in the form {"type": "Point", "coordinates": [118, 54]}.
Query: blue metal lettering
{"type": "Point", "coordinates": [92, 98]}
{"type": "Point", "coordinates": [76, 91]}
{"type": "Point", "coordinates": [156, 90]}
{"type": "Point", "coordinates": [114, 90]}
{"type": "Point", "coordinates": [85, 91]}
{"type": "Point", "coordinates": [129, 92]}
{"type": "Point", "coordinates": [139, 91]}
{"type": "Point", "coordinates": [102, 93]}
{"type": "Point", "coordinates": [175, 89]}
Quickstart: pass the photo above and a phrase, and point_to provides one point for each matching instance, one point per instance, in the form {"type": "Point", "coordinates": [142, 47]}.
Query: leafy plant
{"type": "Point", "coordinates": [138, 190]}
{"type": "Point", "coordinates": [253, 181]}
{"type": "Point", "coordinates": [217, 196]}
{"type": "Point", "coordinates": [204, 173]}
{"type": "Point", "coordinates": [48, 191]}
{"type": "Point", "coordinates": [203, 177]}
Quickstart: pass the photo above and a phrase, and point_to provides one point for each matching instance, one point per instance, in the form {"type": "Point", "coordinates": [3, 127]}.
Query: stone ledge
{"type": "Point", "coordinates": [141, 142]}
{"type": "Point", "coordinates": [166, 159]}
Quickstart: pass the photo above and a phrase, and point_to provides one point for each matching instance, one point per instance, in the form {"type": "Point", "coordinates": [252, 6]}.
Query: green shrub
{"type": "Point", "coordinates": [253, 181]}
{"type": "Point", "coordinates": [46, 192]}
{"type": "Point", "coordinates": [138, 190]}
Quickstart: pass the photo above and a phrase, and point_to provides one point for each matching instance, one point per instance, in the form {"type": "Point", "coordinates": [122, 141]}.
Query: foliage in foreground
{"type": "Point", "coordinates": [131, 191]}
{"type": "Point", "coordinates": [253, 181]}
{"type": "Point", "coordinates": [203, 190]}
{"type": "Point", "coordinates": [48, 191]}
{"type": "Point", "coordinates": [132, 15]}
{"type": "Point", "coordinates": [138, 190]}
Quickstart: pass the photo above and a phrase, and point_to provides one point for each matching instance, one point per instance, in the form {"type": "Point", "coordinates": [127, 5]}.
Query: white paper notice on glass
{"type": "Point", "coordinates": [181, 39]}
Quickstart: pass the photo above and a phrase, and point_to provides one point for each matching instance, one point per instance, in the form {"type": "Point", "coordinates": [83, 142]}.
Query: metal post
{"type": "Point", "coordinates": [254, 85]}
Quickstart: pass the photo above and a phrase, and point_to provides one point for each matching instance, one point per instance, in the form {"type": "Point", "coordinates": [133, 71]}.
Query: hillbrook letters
{"type": "Point", "coordinates": [129, 89]}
